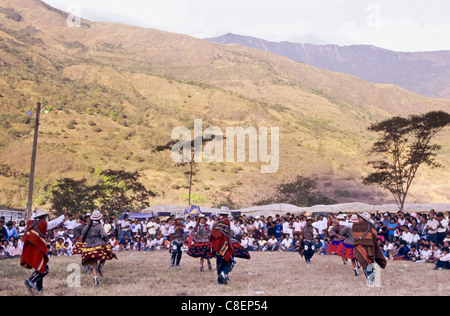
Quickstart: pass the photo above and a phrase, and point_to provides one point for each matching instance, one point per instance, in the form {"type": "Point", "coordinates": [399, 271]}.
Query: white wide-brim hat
{"type": "Point", "coordinates": [354, 219]}
{"type": "Point", "coordinates": [341, 216]}
{"type": "Point", "coordinates": [40, 213]}
{"type": "Point", "coordinates": [96, 216]}
{"type": "Point", "coordinates": [365, 216]}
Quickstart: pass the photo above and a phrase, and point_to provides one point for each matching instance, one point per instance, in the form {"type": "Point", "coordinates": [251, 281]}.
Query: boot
{"type": "Point", "coordinates": [96, 281]}
{"type": "Point", "coordinates": [99, 270]}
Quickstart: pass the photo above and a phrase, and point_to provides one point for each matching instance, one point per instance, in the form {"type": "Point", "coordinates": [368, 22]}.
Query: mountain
{"type": "Point", "coordinates": [113, 93]}
{"type": "Point", "coordinates": [426, 73]}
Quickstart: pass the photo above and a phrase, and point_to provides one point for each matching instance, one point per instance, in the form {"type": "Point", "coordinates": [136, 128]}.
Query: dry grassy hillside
{"type": "Point", "coordinates": [114, 92]}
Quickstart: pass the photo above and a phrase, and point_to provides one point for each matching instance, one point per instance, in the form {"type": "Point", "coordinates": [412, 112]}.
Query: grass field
{"type": "Point", "coordinates": [266, 274]}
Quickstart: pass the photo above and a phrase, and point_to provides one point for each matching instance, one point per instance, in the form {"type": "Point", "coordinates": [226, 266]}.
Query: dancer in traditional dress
{"type": "Point", "coordinates": [176, 232]}
{"type": "Point", "coordinates": [35, 253]}
{"type": "Point", "coordinates": [201, 246]}
{"type": "Point", "coordinates": [236, 235]}
{"type": "Point", "coordinates": [97, 249]}
{"type": "Point", "coordinates": [342, 243]}
{"type": "Point", "coordinates": [222, 247]}
{"type": "Point", "coordinates": [79, 245]}
{"type": "Point", "coordinates": [366, 248]}
{"type": "Point", "coordinates": [307, 248]}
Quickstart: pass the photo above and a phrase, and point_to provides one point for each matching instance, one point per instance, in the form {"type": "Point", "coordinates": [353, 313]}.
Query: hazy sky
{"type": "Point", "coordinates": [401, 25]}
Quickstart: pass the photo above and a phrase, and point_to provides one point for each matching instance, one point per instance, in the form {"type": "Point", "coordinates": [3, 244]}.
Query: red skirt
{"type": "Point", "coordinates": [341, 249]}
{"type": "Point", "coordinates": [200, 250]}
{"type": "Point", "coordinates": [240, 252]}
{"type": "Point", "coordinates": [78, 249]}
{"type": "Point", "coordinates": [100, 253]}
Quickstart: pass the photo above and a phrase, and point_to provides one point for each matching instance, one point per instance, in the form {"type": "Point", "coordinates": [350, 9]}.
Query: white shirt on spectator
{"type": "Point", "coordinates": [287, 242]}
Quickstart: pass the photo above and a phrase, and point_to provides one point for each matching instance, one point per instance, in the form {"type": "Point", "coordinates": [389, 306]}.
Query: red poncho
{"type": "Point", "coordinates": [220, 241]}
{"type": "Point", "coordinates": [35, 254]}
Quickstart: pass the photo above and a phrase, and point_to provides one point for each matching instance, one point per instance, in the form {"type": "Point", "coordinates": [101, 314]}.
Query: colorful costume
{"type": "Point", "coordinates": [201, 246]}
{"type": "Point", "coordinates": [307, 248]}
{"type": "Point", "coordinates": [176, 242]}
{"type": "Point", "coordinates": [342, 245]}
{"type": "Point", "coordinates": [238, 250]}
{"type": "Point", "coordinates": [35, 253]}
{"type": "Point", "coordinates": [366, 248]}
{"type": "Point", "coordinates": [96, 248]}
{"type": "Point", "coordinates": [79, 244]}
{"type": "Point", "coordinates": [222, 248]}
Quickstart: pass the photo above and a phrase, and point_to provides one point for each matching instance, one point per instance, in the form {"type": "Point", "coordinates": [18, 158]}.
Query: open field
{"type": "Point", "coordinates": [266, 274]}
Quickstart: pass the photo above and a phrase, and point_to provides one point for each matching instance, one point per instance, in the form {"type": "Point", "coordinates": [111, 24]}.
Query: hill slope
{"type": "Point", "coordinates": [426, 73]}
{"type": "Point", "coordinates": [114, 92]}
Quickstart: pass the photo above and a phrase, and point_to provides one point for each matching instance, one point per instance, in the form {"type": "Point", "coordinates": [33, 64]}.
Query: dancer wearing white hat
{"type": "Point", "coordinates": [176, 232]}
{"type": "Point", "coordinates": [35, 253]}
{"type": "Point", "coordinates": [97, 250]}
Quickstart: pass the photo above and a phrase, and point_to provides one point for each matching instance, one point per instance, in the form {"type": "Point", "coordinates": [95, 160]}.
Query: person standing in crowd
{"type": "Point", "coordinates": [432, 227]}
{"type": "Point", "coordinates": [97, 249]}
{"type": "Point", "coordinates": [70, 223]}
{"type": "Point", "coordinates": [201, 246]}
{"type": "Point", "coordinates": [366, 248]}
{"type": "Point", "coordinates": [442, 228]}
{"type": "Point", "coordinates": [3, 232]}
{"type": "Point", "coordinates": [35, 253]}
{"type": "Point", "coordinates": [151, 228]}
{"type": "Point", "coordinates": [222, 247]}
{"type": "Point", "coordinates": [125, 228]}
{"type": "Point", "coordinates": [307, 248]}
{"type": "Point", "coordinates": [176, 233]}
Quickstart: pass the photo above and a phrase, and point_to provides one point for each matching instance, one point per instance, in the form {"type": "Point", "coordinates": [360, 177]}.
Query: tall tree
{"type": "Point", "coordinates": [119, 190]}
{"type": "Point", "coordinates": [405, 145]}
{"type": "Point", "coordinates": [72, 195]}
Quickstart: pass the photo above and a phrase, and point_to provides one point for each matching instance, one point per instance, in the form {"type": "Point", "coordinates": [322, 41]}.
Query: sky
{"type": "Point", "coordinates": [399, 25]}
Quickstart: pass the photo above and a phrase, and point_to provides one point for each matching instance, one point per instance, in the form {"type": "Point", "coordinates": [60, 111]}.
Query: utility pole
{"type": "Point", "coordinates": [33, 162]}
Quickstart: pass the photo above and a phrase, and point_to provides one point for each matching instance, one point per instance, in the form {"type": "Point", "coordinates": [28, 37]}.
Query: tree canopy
{"type": "Point", "coordinates": [404, 145]}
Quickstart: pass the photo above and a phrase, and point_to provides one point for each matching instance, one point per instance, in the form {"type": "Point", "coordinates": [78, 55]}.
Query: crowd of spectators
{"type": "Point", "coordinates": [420, 238]}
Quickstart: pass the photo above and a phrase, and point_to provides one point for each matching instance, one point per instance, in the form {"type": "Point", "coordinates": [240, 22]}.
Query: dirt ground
{"type": "Point", "coordinates": [266, 274]}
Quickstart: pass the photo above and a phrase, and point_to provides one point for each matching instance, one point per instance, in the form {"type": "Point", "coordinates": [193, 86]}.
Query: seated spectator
{"type": "Point", "coordinates": [52, 249]}
{"type": "Point", "coordinates": [60, 248]}
{"type": "Point", "coordinates": [444, 260]}
{"type": "Point", "coordinates": [262, 244]}
{"type": "Point", "coordinates": [387, 249]}
{"type": "Point", "coordinates": [159, 242]}
{"type": "Point", "coordinates": [3, 254]}
{"type": "Point", "coordinates": [113, 243]}
{"type": "Point", "coordinates": [436, 254]}
{"type": "Point", "coordinates": [295, 243]}
{"type": "Point", "coordinates": [318, 245]}
{"type": "Point", "coordinates": [272, 243]}
{"type": "Point", "coordinates": [6, 247]}
{"type": "Point", "coordinates": [425, 254]}
{"type": "Point", "coordinates": [286, 243]}
{"type": "Point", "coordinates": [68, 249]}
{"type": "Point", "coordinates": [413, 255]}
{"type": "Point", "coordinates": [325, 245]}
{"type": "Point", "coordinates": [15, 250]}
{"type": "Point", "coordinates": [251, 244]}
{"type": "Point", "coordinates": [402, 251]}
